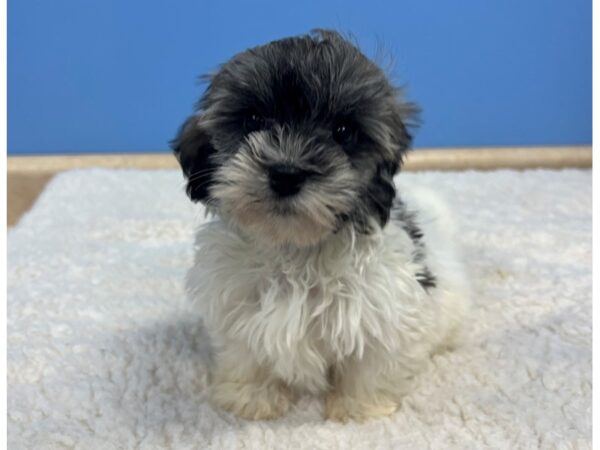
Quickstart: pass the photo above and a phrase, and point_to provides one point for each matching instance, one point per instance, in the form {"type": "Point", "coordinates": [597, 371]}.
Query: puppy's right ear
{"type": "Point", "coordinates": [194, 152]}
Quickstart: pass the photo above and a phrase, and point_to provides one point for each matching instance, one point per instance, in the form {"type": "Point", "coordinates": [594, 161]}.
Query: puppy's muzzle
{"type": "Point", "coordinates": [286, 180]}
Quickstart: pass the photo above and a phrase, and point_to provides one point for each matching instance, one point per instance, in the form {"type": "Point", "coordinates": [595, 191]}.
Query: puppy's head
{"type": "Point", "coordinates": [296, 138]}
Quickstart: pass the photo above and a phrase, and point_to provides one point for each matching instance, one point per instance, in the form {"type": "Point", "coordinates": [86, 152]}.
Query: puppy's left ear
{"type": "Point", "coordinates": [404, 115]}
{"type": "Point", "coordinates": [194, 151]}
{"type": "Point", "coordinates": [382, 190]}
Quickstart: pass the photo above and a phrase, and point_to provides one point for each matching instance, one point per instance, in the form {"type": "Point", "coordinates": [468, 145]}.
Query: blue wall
{"type": "Point", "coordinates": [120, 75]}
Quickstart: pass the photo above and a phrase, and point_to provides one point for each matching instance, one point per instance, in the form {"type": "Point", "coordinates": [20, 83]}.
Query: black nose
{"type": "Point", "coordinates": [286, 180]}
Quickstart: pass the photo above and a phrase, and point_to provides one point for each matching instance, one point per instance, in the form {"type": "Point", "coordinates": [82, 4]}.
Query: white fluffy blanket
{"type": "Point", "coordinates": [104, 354]}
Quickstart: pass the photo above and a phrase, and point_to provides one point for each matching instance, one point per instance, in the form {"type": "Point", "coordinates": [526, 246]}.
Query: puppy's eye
{"type": "Point", "coordinates": [253, 122]}
{"type": "Point", "coordinates": [343, 133]}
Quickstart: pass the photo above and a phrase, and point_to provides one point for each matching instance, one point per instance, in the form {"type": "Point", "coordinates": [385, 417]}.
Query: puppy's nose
{"type": "Point", "coordinates": [286, 180]}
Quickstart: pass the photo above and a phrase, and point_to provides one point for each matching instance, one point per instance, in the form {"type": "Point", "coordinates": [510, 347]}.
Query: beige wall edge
{"type": "Point", "coordinates": [500, 158]}
{"type": "Point", "coordinates": [420, 159]}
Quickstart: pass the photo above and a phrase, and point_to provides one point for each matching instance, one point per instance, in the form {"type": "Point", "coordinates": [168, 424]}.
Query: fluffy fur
{"type": "Point", "coordinates": [304, 281]}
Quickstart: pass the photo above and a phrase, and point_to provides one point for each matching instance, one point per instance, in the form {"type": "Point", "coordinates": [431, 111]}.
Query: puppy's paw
{"type": "Point", "coordinates": [342, 408]}
{"type": "Point", "coordinates": [252, 401]}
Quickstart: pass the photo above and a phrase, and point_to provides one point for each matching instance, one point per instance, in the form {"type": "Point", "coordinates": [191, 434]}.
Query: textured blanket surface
{"type": "Point", "coordinates": [104, 352]}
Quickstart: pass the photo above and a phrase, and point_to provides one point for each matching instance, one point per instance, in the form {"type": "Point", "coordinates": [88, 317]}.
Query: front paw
{"type": "Point", "coordinates": [252, 401]}
{"type": "Point", "coordinates": [342, 408]}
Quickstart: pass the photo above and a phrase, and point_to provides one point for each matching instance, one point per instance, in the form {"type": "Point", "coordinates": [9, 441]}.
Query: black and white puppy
{"type": "Point", "coordinates": [314, 276]}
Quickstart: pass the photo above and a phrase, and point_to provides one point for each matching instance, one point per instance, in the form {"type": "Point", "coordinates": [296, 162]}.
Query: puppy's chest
{"type": "Point", "coordinates": [318, 305]}
{"type": "Point", "coordinates": [310, 290]}
{"type": "Point", "coordinates": [306, 307]}
{"type": "Point", "coordinates": [309, 311]}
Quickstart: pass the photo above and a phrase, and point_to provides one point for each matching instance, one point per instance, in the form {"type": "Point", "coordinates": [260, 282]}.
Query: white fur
{"type": "Point", "coordinates": [346, 315]}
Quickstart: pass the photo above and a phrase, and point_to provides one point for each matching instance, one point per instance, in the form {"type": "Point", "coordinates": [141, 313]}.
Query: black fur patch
{"type": "Point", "coordinates": [193, 150]}
{"type": "Point", "coordinates": [408, 221]}
{"type": "Point", "coordinates": [381, 193]}
{"type": "Point", "coordinates": [426, 278]}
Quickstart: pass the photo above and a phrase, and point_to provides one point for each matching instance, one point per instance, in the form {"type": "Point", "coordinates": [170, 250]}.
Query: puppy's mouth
{"type": "Point", "coordinates": [273, 219]}
{"type": "Point", "coordinates": [280, 224]}
{"type": "Point", "coordinates": [280, 203]}
{"type": "Point", "coordinates": [284, 207]}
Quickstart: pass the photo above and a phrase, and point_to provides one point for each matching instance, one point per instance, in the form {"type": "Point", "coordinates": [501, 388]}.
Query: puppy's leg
{"type": "Point", "coordinates": [241, 386]}
{"type": "Point", "coordinates": [367, 388]}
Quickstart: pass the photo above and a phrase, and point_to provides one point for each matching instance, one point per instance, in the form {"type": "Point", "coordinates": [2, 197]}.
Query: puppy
{"type": "Point", "coordinates": [314, 276]}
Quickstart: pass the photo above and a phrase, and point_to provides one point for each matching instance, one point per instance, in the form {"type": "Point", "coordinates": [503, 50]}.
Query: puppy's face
{"type": "Point", "coordinates": [295, 138]}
